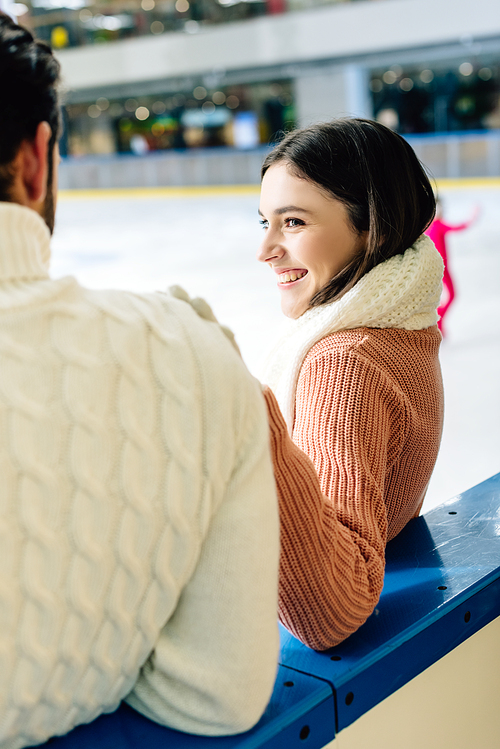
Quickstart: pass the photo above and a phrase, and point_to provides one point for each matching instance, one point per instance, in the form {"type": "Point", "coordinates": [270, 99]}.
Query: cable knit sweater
{"type": "Point", "coordinates": [138, 519]}
{"type": "Point", "coordinates": [366, 426]}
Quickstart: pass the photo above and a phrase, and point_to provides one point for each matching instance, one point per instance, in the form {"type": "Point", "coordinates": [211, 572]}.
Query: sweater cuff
{"type": "Point", "coordinates": [276, 420]}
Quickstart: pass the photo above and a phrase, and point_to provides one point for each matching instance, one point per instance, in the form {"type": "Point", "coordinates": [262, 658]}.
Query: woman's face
{"type": "Point", "coordinates": [308, 237]}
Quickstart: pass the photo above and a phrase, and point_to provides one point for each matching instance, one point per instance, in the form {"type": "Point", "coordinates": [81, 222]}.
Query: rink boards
{"type": "Point", "coordinates": [424, 668]}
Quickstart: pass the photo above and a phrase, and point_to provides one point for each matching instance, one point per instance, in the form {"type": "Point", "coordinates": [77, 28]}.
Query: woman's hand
{"type": "Point", "coordinates": [203, 310]}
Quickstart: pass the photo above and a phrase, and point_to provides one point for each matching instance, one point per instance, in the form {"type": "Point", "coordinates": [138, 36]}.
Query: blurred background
{"type": "Point", "coordinates": [171, 105]}
{"type": "Point", "coordinates": [196, 89]}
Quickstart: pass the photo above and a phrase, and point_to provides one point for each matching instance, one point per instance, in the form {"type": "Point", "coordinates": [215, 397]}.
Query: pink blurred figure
{"type": "Point", "coordinates": [437, 231]}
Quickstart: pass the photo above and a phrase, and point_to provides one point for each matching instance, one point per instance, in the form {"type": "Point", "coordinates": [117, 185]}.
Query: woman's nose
{"type": "Point", "coordinates": [269, 249]}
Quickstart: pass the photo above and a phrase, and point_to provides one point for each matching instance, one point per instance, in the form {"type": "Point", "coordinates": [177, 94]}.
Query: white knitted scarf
{"type": "Point", "coordinates": [402, 292]}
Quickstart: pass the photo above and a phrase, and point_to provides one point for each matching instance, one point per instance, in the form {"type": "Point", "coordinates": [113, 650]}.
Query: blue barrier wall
{"type": "Point", "coordinates": [442, 585]}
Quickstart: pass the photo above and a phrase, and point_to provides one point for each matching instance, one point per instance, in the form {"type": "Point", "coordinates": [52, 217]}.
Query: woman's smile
{"type": "Point", "coordinates": [289, 277]}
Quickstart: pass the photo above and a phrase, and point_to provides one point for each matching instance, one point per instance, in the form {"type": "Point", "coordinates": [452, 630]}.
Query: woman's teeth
{"type": "Point", "coordinates": [293, 275]}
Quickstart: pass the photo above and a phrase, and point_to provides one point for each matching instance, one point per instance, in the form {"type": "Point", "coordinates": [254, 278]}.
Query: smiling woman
{"type": "Point", "coordinates": [344, 207]}
{"type": "Point", "coordinates": [307, 242]}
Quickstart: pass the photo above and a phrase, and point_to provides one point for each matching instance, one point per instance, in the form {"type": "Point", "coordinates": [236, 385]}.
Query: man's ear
{"type": "Point", "coordinates": [32, 161]}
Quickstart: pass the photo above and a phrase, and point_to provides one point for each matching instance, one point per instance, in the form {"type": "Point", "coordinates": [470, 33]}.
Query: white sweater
{"type": "Point", "coordinates": [138, 518]}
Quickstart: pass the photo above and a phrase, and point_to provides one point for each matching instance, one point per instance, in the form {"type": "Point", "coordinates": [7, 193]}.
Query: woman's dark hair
{"type": "Point", "coordinates": [29, 75]}
{"type": "Point", "coordinates": [375, 174]}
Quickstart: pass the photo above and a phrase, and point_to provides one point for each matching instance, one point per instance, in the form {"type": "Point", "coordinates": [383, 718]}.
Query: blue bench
{"type": "Point", "coordinates": [442, 586]}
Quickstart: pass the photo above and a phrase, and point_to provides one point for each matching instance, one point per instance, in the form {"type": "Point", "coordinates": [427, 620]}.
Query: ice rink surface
{"type": "Point", "coordinates": [206, 242]}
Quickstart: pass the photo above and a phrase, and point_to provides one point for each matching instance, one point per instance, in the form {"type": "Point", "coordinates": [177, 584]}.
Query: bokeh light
{"type": "Point", "coordinates": [158, 107]}
{"type": "Point", "coordinates": [390, 76]}
{"type": "Point", "coordinates": [200, 92]}
{"type": "Point", "coordinates": [466, 69]}
{"type": "Point", "coordinates": [485, 74]}
{"type": "Point", "coordinates": [142, 113]}
{"type": "Point", "coordinates": [426, 76]}
{"type": "Point", "coordinates": [406, 84]}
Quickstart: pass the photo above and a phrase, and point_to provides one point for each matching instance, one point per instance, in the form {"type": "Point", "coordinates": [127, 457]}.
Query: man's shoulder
{"type": "Point", "coordinates": [154, 340]}
{"type": "Point", "coordinates": [176, 334]}
{"type": "Point", "coordinates": [158, 313]}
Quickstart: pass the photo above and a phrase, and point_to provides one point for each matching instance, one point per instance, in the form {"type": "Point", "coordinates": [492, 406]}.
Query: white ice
{"type": "Point", "coordinates": [208, 244]}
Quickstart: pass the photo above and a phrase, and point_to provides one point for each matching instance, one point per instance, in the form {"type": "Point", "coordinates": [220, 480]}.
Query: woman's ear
{"type": "Point", "coordinates": [363, 238]}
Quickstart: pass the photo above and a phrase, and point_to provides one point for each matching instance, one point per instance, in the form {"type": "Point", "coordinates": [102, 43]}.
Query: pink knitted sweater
{"type": "Point", "coordinates": [368, 421]}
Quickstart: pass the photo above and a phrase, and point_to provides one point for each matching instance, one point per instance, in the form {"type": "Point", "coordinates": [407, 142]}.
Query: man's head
{"type": "Point", "coordinates": [29, 120]}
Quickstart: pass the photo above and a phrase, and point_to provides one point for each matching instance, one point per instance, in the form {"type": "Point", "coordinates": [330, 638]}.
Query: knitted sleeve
{"type": "Point", "coordinates": [213, 666]}
{"type": "Point", "coordinates": [333, 517]}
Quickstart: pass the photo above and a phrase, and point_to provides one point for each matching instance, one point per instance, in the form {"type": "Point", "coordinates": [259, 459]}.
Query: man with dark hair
{"type": "Point", "coordinates": [138, 517]}
{"type": "Point", "coordinates": [29, 73]}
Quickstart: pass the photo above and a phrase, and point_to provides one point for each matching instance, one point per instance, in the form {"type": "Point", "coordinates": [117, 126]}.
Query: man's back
{"type": "Point", "coordinates": [138, 520]}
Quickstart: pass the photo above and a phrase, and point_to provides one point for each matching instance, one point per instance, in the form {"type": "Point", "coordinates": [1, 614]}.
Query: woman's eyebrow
{"type": "Point", "coordinates": [287, 209]}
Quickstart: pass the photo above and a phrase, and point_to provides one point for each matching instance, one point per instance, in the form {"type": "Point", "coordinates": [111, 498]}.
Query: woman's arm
{"type": "Point", "coordinates": [333, 516]}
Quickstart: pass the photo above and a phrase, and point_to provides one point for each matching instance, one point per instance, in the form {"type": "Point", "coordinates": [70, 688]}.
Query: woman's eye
{"type": "Point", "coordinates": [292, 223]}
{"type": "Point", "coordinates": [264, 223]}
